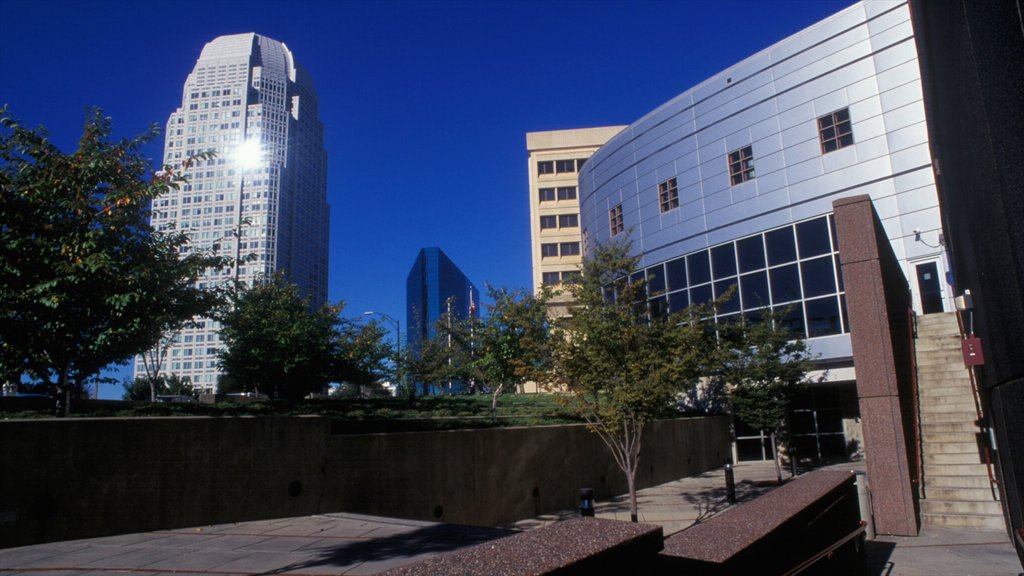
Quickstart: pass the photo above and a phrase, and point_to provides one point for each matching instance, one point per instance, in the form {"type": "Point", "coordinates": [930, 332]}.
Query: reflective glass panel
{"type": "Point", "coordinates": [751, 253]}
{"type": "Point", "coordinates": [676, 273]}
{"type": "Point", "coordinates": [813, 238]}
{"type": "Point", "coordinates": [655, 280]}
{"type": "Point", "coordinates": [781, 246]}
{"type": "Point", "coordinates": [818, 276]}
{"type": "Point", "coordinates": [792, 318]}
{"type": "Point", "coordinates": [754, 289]}
{"type": "Point", "coordinates": [733, 303]}
{"type": "Point", "coordinates": [699, 268]}
{"type": "Point", "coordinates": [823, 317]}
{"type": "Point", "coordinates": [723, 261]}
{"type": "Point", "coordinates": [678, 301]}
{"type": "Point", "coordinates": [785, 283]}
{"type": "Point", "coordinates": [701, 294]}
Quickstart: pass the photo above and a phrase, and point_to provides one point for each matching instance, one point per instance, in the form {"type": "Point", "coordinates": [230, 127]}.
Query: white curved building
{"type": "Point", "coordinates": [731, 183]}
{"type": "Point", "coordinates": [264, 203]}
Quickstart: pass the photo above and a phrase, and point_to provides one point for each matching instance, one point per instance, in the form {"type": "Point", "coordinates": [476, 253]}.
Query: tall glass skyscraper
{"type": "Point", "coordinates": [435, 288]}
{"type": "Point", "coordinates": [262, 198]}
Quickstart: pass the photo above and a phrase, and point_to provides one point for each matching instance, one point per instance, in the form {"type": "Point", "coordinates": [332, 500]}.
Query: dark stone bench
{"type": "Point", "coordinates": [776, 533]}
{"type": "Point", "coordinates": [573, 547]}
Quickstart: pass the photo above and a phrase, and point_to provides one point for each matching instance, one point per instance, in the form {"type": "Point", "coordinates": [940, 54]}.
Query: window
{"type": "Point", "coordinates": [567, 193]}
{"type": "Point", "coordinates": [568, 221]}
{"type": "Point", "coordinates": [565, 166]}
{"type": "Point", "coordinates": [615, 220]}
{"type": "Point", "coordinates": [545, 167]}
{"type": "Point", "coordinates": [547, 194]}
{"type": "Point", "coordinates": [547, 222]}
{"type": "Point", "coordinates": [668, 195]}
{"type": "Point", "coordinates": [835, 131]}
{"type": "Point", "coordinates": [741, 165]}
{"type": "Point", "coordinates": [548, 250]}
{"type": "Point", "coordinates": [579, 163]}
{"type": "Point", "coordinates": [549, 278]}
{"type": "Point", "coordinates": [570, 248]}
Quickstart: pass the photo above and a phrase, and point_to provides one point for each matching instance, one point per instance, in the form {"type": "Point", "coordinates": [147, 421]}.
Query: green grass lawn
{"type": "Point", "coordinates": [359, 415]}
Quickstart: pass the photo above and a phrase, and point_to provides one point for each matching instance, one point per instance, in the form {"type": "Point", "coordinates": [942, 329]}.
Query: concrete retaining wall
{"type": "Point", "coordinates": [66, 478]}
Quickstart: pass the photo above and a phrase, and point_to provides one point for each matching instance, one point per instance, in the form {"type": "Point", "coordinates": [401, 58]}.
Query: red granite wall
{"type": "Point", "coordinates": [878, 304]}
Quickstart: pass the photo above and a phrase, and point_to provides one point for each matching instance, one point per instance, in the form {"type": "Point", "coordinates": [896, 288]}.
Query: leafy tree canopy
{"type": "Point", "coordinates": [139, 389]}
{"type": "Point", "coordinates": [84, 280]}
{"type": "Point", "coordinates": [506, 348]}
{"type": "Point", "coordinates": [276, 342]}
{"type": "Point", "coordinates": [622, 366]}
{"type": "Point", "coordinates": [764, 365]}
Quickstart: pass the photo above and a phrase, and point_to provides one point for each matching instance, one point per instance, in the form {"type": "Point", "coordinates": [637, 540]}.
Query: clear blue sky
{"type": "Point", "coordinates": [425, 103]}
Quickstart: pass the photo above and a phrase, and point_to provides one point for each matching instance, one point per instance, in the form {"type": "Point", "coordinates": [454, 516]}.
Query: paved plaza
{"type": "Point", "coordinates": [352, 544]}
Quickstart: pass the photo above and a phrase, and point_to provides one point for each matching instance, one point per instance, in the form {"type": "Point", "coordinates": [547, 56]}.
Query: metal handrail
{"type": "Point", "coordinates": [982, 422]}
{"type": "Point", "coordinates": [916, 391]}
{"type": "Point", "coordinates": [827, 552]}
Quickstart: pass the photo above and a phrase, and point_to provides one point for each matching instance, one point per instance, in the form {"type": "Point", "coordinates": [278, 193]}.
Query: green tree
{"type": "Point", "coordinates": [140, 389]}
{"type": "Point", "coordinates": [434, 359]}
{"type": "Point", "coordinates": [84, 280]}
{"type": "Point", "coordinates": [764, 365]}
{"type": "Point", "coordinates": [362, 356]}
{"type": "Point", "coordinates": [507, 347]}
{"type": "Point", "coordinates": [621, 366]}
{"type": "Point", "coordinates": [275, 342]}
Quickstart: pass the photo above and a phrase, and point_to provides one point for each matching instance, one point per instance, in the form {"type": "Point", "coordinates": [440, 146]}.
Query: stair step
{"type": "Point", "coordinates": [990, 507]}
{"type": "Point", "coordinates": [964, 521]}
{"type": "Point", "coordinates": [950, 388]}
{"type": "Point", "coordinates": [937, 438]}
{"type": "Point", "coordinates": [969, 481]}
{"type": "Point", "coordinates": [958, 493]}
{"type": "Point", "coordinates": [944, 418]}
{"type": "Point", "coordinates": [956, 447]}
{"type": "Point", "coordinates": [937, 400]}
{"type": "Point", "coordinates": [958, 469]}
{"type": "Point", "coordinates": [942, 344]}
{"type": "Point", "coordinates": [968, 410]}
{"type": "Point", "coordinates": [954, 458]}
{"type": "Point", "coordinates": [942, 366]}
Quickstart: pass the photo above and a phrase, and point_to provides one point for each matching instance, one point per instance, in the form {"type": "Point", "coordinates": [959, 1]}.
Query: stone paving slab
{"type": "Point", "coordinates": [944, 551]}
{"type": "Point", "coordinates": [323, 544]}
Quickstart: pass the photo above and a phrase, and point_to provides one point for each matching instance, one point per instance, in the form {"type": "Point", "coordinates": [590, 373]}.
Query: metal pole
{"type": "Point", "coordinates": [730, 484]}
{"type": "Point", "coordinates": [587, 502]}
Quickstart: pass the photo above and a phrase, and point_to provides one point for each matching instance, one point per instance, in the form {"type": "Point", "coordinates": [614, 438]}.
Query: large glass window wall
{"type": "Point", "coordinates": [794, 270]}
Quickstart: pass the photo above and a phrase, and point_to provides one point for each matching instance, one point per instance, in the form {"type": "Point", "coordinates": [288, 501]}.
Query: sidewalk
{"type": "Point", "coordinates": [678, 505]}
{"type": "Point", "coordinates": [347, 544]}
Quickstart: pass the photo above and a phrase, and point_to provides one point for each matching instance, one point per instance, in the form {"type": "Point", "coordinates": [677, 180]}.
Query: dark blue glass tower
{"type": "Point", "coordinates": [436, 287]}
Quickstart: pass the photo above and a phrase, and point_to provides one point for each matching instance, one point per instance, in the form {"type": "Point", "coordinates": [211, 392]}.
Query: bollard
{"type": "Point", "coordinates": [587, 502]}
{"type": "Point", "coordinates": [792, 460]}
{"type": "Point", "coordinates": [730, 484]}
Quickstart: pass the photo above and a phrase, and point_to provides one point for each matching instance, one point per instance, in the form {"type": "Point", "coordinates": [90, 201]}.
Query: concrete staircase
{"type": "Point", "coordinates": [956, 490]}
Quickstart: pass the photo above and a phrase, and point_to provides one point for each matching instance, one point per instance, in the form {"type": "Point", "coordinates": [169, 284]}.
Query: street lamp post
{"type": "Point", "coordinates": [398, 333]}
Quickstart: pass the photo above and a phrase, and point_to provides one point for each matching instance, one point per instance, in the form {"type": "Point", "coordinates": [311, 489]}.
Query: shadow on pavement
{"type": "Point", "coordinates": [407, 544]}
{"type": "Point", "coordinates": [876, 560]}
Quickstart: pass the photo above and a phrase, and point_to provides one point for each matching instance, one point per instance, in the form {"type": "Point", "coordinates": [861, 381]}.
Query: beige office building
{"type": "Point", "coordinates": [556, 239]}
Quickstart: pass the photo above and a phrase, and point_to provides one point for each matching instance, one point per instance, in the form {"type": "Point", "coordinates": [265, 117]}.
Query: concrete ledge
{"type": "Point", "coordinates": [772, 533]}
{"type": "Point", "coordinates": [71, 478]}
{"type": "Point", "coordinates": [577, 546]}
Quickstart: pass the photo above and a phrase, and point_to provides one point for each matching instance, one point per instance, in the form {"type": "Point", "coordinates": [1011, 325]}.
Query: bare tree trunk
{"type": "Point", "coordinates": [631, 480]}
{"type": "Point", "coordinates": [494, 401]}
{"type": "Point", "coordinates": [775, 456]}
